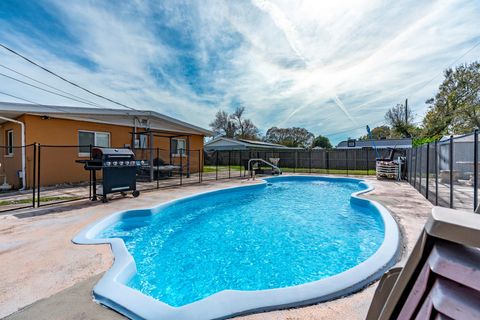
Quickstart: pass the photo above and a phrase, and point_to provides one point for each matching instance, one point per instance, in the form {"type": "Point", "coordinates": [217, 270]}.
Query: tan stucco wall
{"type": "Point", "coordinates": [59, 137]}
{"type": "Point", "coordinates": [10, 165]}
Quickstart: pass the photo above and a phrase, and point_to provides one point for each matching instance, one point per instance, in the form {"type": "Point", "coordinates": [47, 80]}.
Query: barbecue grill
{"type": "Point", "coordinates": [118, 170]}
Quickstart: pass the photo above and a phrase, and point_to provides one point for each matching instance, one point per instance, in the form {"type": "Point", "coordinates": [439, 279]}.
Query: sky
{"type": "Point", "coordinates": [329, 66]}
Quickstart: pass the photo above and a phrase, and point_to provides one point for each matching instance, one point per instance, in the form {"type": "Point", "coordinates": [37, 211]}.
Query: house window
{"type": "Point", "coordinates": [178, 147]}
{"type": "Point", "coordinates": [92, 138]}
{"type": "Point", "coordinates": [9, 142]}
{"type": "Point", "coordinates": [141, 141]}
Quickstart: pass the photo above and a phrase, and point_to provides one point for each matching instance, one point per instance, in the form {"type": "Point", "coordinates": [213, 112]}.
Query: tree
{"type": "Point", "coordinates": [382, 132]}
{"type": "Point", "coordinates": [290, 137]}
{"type": "Point", "coordinates": [456, 106]}
{"type": "Point", "coordinates": [322, 142]}
{"type": "Point", "coordinates": [245, 127]}
{"type": "Point", "coordinates": [395, 117]}
{"type": "Point", "coordinates": [234, 125]}
{"type": "Point", "coordinates": [223, 124]}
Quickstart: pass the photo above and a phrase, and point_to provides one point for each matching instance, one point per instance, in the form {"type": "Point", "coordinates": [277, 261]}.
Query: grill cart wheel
{"type": "Point", "coordinates": [104, 199]}
{"type": "Point", "coordinates": [135, 193]}
{"type": "Point", "coordinates": [124, 194]}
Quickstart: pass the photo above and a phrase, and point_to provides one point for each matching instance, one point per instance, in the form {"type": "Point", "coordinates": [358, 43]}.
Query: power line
{"type": "Point", "coordinates": [32, 102]}
{"type": "Point", "coordinates": [449, 66]}
{"type": "Point", "coordinates": [423, 86]}
{"type": "Point", "coordinates": [40, 88]}
{"type": "Point", "coordinates": [64, 79]}
{"type": "Point", "coordinates": [13, 96]}
{"type": "Point", "coordinates": [52, 87]}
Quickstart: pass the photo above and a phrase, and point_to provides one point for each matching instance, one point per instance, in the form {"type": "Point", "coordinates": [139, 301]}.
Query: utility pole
{"type": "Point", "coordinates": [406, 118]}
{"type": "Point", "coordinates": [406, 112]}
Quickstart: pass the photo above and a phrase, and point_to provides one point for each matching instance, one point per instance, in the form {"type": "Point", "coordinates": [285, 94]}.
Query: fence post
{"type": "Point", "coordinates": [39, 175]}
{"type": "Point", "coordinates": [199, 166]}
{"type": "Point", "coordinates": [240, 162]}
{"type": "Point", "coordinates": [34, 173]}
{"type": "Point", "coordinates": [158, 167]}
{"type": "Point", "coordinates": [410, 166]}
{"type": "Point", "coordinates": [181, 166]}
{"type": "Point", "coordinates": [415, 171]}
{"type": "Point", "coordinates": [310, 161]}
{"type": "Point", "coordinates": [366, 151]}
{"type": "Point", "coordinates": [229, 155]}
{"type": "Point", "coordinates": [216, 165]}
{"type": "Point", "coordinates": [296, 160]}
{"type": "Point", "coordinates": [420, 173]}
{"type": "Point", "coordinates": [188, 156]}
{"type": "Point", "coordinates": [202, 155]}
{"type": "Point", "coordinates": [436, 172]}
{"type": "Point", "coordinates": [451, 170]}
{"type": "Point", "coordinates": [428, 170]}
{"type": "Point", "coordinates": [327, 158]}
{"type": "Point", "coordinates": [475, 170]}
{"type": "Point", "coordinates": [346, 159]}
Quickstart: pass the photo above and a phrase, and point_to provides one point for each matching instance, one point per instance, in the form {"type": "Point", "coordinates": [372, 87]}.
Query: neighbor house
{"type": "Point", "coordinates": [66, 134]}
{"type": "Point", "coordinates": [224, 143]}
{"type": "Point", "coordinates": [404, 143]}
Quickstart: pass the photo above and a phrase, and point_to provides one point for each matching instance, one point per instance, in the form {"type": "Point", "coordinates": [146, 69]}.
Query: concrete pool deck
{"type": "Point", "coordinates": [48, 276]}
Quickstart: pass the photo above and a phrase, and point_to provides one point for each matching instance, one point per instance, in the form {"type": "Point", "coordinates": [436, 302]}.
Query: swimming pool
{"type": "Point", "coordinates": [290, 241]}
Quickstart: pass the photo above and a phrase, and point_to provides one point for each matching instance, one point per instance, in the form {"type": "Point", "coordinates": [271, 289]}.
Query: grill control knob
{"type": "Point", "coordinates": [115, 163]}
{"type": "Point", "coordinates": [120, 163]}
{"type": "Point", "coordinates": [108, 164]}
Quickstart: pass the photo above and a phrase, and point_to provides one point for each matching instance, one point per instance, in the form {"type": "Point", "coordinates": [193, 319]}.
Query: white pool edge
{"type": "Point", "coordinates": [111, 291]}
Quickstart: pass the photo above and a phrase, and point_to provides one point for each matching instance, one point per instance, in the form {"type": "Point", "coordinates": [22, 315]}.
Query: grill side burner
{"type": "Point", "coordinates": [118, 170]}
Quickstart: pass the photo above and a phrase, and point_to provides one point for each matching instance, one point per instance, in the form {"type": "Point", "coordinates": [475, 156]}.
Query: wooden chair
{"type": "Point", "coordinates": [441, 278]}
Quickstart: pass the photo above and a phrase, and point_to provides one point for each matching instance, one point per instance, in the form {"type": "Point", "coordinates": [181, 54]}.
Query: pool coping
{"type": "Point", "coordinates": [112, 292]}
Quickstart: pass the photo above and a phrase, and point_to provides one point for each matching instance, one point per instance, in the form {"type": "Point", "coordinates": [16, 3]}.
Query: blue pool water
{"type": "Point", "coordinates": [286, 233]}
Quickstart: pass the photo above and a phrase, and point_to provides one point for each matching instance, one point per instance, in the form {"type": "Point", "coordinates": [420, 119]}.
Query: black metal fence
{"type": "Point", "coordinates": [446, 171]}
{"type": "Point", "coordinates": [223, 164]}
{"type": "Point", "coordinates": [53, 176]}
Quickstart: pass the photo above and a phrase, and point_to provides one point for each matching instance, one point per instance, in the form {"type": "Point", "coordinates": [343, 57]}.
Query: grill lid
{"type": "Point", "coordinates": [98, 153]}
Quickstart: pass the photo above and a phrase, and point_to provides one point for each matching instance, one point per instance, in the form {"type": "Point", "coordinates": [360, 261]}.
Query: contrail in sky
{"type": "Point", "coordinates": [284, 24]}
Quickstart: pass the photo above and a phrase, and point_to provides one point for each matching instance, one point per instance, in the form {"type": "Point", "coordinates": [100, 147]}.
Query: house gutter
{"type": "Point", "coordinates": [22, 126]}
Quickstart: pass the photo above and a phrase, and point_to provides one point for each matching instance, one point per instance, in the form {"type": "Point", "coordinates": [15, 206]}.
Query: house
{"type": "Point", "coordinates": [404, 143]}
{"type": "Point", "coordinates": [224, 143]}
{"type": "Point", "coordinates": [67, 133]}
{"type": "Point", "coordinates": [463, 150]}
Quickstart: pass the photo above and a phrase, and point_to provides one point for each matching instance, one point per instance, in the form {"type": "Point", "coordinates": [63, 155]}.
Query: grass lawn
{"type": "Point", "coordinates": [221, 168]}
{"type": "Point", "coordinates": [208, 169]}
{"type": "Point", "coordinates": [330, 171]}
{"type": "Point", "coordinates": [42, 199]}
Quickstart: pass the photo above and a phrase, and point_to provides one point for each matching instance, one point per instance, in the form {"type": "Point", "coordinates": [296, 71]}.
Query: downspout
{"type": "Point", "coordinates": [24, 168]}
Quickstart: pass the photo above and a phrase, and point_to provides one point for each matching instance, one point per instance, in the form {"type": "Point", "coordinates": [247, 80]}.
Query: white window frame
{"type": "Point", "coordinates": [9, 150]}
{"type": "Point", "coordinates": [184, 154]}
{"type": "Point", "coordinates": [87, 154]}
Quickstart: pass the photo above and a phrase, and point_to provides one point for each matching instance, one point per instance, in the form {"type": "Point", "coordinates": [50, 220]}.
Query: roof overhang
{"type": "Point", "coordinates": [128, 118]}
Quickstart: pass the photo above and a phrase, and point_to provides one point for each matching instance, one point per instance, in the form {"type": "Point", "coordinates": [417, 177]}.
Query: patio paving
{"type": "Point", "coordinates": [462, 193]}
{"type": "Point", "coordinates": [81, 191]}
{"type": "Point", "coordinates": [46, 276]}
